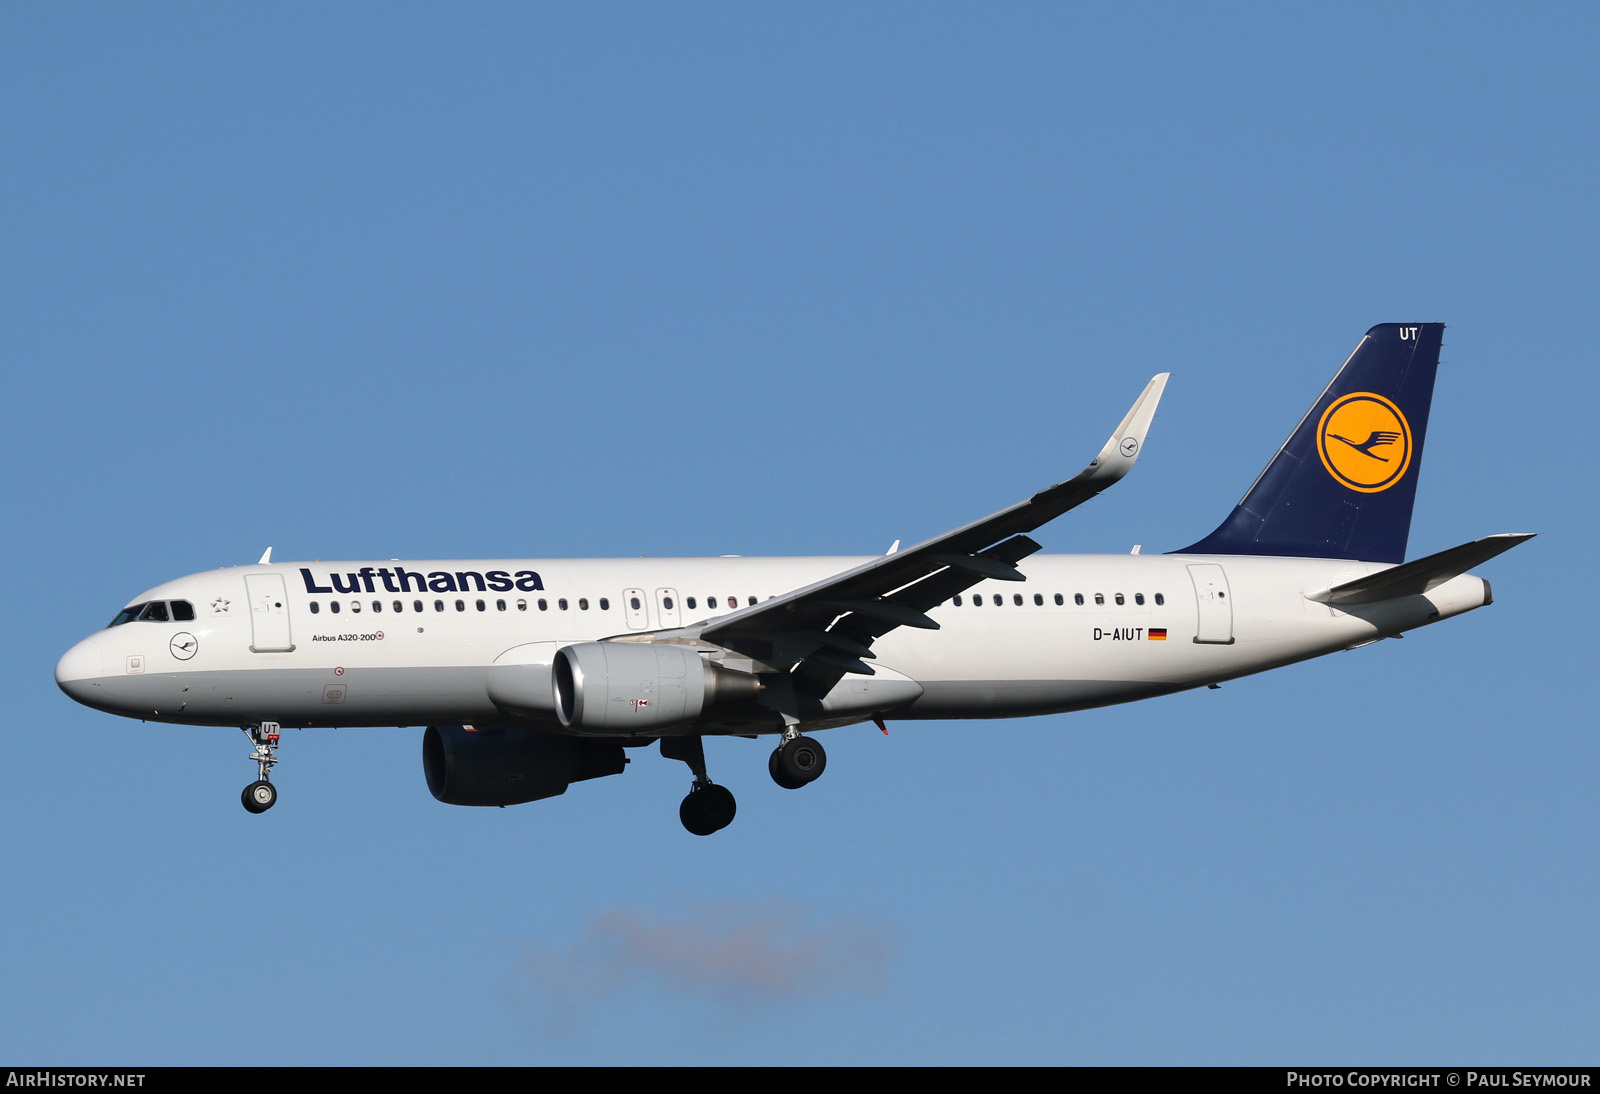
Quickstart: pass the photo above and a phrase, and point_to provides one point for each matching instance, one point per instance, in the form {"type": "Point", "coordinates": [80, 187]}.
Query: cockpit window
{"type": "Point", "coordinates": [155, 611]}
{"type": "Point", "coordinates": [126, 615]}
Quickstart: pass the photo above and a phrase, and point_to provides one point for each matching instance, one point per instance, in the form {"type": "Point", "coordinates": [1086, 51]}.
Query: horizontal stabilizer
{"type": "Point", "coordinates": [1419, 576]}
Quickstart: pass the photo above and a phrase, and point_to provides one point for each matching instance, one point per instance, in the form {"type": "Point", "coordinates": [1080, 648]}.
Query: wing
{"type": "Point", "coordinates": [820, 632]}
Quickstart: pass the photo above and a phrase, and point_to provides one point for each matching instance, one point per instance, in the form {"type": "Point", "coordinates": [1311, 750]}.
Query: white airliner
{"type": "Point", "coordinates": [533, 674]}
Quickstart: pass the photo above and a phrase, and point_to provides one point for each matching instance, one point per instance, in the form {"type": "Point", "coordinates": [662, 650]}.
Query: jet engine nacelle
{"type": "Point", "coordinates": [519, 680]}
{"type": "Point", "coordinates": [496, 766]}
{"type": "Point", "coordinates": [637, 688]}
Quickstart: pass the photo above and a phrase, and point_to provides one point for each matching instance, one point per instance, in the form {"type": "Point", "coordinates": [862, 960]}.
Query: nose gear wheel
{"type": "Point", "coordinates": [261, 795]}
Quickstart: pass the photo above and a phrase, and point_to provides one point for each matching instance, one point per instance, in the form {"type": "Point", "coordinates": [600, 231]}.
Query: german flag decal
{"type": "Point", "coordinates": [1158, 634]}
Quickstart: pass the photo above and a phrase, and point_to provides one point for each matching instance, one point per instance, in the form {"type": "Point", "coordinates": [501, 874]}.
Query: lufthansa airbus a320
{"type": "Point", "coordinates": [532, 674]}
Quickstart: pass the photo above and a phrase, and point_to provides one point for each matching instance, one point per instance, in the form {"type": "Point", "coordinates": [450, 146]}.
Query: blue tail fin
{"type": "Point", "coordinates": [1343, 483]}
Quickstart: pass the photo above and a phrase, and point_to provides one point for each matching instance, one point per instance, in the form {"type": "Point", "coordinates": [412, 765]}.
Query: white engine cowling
{"type": "Point", "coordinates": [638, 688]}
{"type": "Point", "coordinates": [519, 680]}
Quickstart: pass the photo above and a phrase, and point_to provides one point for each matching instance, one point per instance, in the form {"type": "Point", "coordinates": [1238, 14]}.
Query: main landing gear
{"type": "Point", "coordinates": [708, 808]}
{"type": "Point", "coordinates": [261, 795]}
{"type": "Point", "coordinates": [797, 761]}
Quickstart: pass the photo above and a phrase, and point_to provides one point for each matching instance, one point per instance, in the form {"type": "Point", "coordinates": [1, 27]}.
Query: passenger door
{"type": "Point", "coordinates": [269, 613]}
{"type": "Point", "coordinates": [1211, 598]}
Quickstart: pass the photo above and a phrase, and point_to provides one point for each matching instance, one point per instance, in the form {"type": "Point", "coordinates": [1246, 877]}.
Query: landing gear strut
{"type": "Point", "coordinates": [797, 761]}
{"type": "Point", "coordinates": [708, 808]}
{"type": "Point", "coordinates": [261, 795]}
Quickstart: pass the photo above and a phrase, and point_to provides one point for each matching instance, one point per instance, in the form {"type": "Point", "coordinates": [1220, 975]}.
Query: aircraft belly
{"type": "Point", "coordinates": [1014, 698]}
{"type": "Point", "coordinates": [302, 696]}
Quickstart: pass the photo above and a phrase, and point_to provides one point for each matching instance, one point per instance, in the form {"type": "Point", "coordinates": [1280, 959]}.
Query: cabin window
{"type": "Point", "coordinates": [1120, 601]}
{"type": "Point", "coordinates": [1038, 599]}
{"type": "Point", "coordinates": [544, 605]}
{"type": "Point", "coordinates": [605, 604]}
{"type": "Point", "coordinates": [711, 602]}
{"type": "Point", "coordinates": [1016, 598]}
{"type": "Point", "coordinates": [977, 601]}
{"type": "Point", "coordinates": [583, 604]}
{"type": "Point", "coordinates": [956, 600]}
{"type": "Point", "coordinates": [998, 600]}
{"type": "Point", "coordinates": [333, 606]}
{"type": "Point", "coordinates": [315, 607]}
{"type": "Point", "coordinates": [752, 602]}
{"type": "Point", "coordinates": [1138, 598]}
{"type": "Point", "coordinates": [377, 605]}
{"type": "Point", "coordinates": [522, 605]}
{"type": "Point", "coordinates": [1060, 600]}
{"type": "Point", "coordinates": [690, 602]}
{"type": "Point", "coordinates": [182, 611]}
{"type": "Point", "coordinates": [1077, 598]}
{"type": "Point", "coordinates": [666, 603]}
{"type": "Point", "coordinates": [416, 605]}
{"type": "Point", "coordinates": [154, 612]}
{"type": "Point", "coordinates": [633, 602]}
{"type": "Point", "coordinates": [481, 605]}
{"type": "Point", "coordinates": [399, 606]}
{"type": "Point", "coordinates": [562, 603]}
{"type": "Point", "coordinates": [499, 605]}
{"type": "Point", "coordinates": [438, 605]}
{"type": "Point", "coordinates": [461, 605]}
{"type": "Point", "coordinates": [1099, 598]}
{"type": "Point", "coordinates": [355, 605]}
{"type": "Point", "coordinates": [1160, 599]}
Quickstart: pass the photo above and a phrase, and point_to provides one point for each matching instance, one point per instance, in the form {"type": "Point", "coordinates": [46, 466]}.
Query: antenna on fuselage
{"type": "Point", "coordinates": [266, 557]}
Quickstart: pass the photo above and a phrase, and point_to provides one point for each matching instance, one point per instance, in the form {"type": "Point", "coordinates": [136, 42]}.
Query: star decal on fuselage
{"type": "Point", "coordinates": [220, 606]}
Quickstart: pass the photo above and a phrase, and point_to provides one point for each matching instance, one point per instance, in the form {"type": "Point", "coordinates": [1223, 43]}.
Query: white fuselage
{"type": "Point", "coordinates": [303, 651]}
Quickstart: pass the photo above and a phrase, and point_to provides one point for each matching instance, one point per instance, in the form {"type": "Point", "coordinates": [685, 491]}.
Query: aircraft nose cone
{"type": "Point", "coordinates": [79, 669]}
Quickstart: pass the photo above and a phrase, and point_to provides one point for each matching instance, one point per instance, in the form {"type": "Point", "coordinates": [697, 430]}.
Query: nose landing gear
{"type": "Point", "coordinates": [261, 795]}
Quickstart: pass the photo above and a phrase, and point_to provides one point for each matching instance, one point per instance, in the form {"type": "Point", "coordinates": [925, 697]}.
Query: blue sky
{"type": "Point", "coordinates": [503, 280]}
